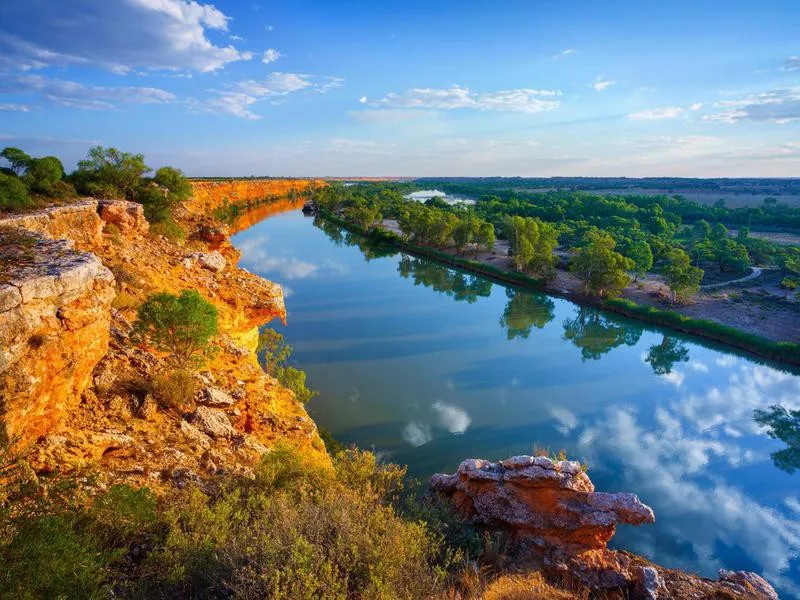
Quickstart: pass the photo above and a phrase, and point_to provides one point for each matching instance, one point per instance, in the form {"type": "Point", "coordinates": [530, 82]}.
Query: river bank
{"type": "Point", "coordinates": [635, 303]}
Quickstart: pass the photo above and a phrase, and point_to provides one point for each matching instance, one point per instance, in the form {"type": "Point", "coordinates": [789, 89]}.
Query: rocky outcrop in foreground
{"type": "Point", "coordinates": [558, 523]}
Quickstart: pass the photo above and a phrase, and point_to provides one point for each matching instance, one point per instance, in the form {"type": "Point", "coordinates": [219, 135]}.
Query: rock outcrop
{"type": "Point", "coordinates": [557, 522]}
{"type": "Point", "coordinates": [55, 307]}
{"type": "Point", "coordinates": [210, 195]}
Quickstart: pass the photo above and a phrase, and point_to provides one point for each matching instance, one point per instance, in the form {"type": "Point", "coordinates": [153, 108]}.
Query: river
{"type": "Point", "coordinates": [428, 366]}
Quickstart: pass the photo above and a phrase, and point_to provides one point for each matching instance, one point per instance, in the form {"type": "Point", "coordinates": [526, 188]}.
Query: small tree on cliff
{"type": "Point", "coordinates": [181, 325]}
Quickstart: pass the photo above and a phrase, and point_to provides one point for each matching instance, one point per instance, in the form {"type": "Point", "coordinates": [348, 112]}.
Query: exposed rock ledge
{"type": "Point", "coordinates": [558, 523]}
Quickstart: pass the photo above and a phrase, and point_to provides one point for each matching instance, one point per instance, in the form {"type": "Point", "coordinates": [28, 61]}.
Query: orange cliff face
{"type": "Point", "coordinates": [210, 195]}
{"type": "Point", "coordinates": [77, 389]}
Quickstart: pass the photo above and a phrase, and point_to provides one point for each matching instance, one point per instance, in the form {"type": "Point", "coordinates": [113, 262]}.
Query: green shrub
{"type": "Point", "coordinates": [169, 229]}
{"type": "Point", "coordinates": [180, 325]}
{"type": "Point", "coordinates": [44, 175]}
{"type": "Point", "coordinates": [175, 390]}
{"type": "Point", "coordinates": [789, 283]}
{"type": "Point", "coordinates": [273, 354]}
{"type": "Point", "coordinates": [13, 193]}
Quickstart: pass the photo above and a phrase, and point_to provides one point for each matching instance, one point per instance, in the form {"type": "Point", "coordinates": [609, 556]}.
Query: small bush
{"type": "Point", "coordinates": [175, 390]}
{"type": "Point", "coordinates": [789, 283]}
{"type": "Point", "coordinates": [273, 354]}
{"type": "Point", "coordinates": [170, 229]}
{"type": "Point", "coordinates": [180, 325]}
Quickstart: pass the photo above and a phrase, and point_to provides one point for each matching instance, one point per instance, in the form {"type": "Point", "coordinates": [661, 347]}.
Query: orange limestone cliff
{"type": "Point", "coordinates": [209, 195]}
{"type": "Point", "coordinates": [78, 391]}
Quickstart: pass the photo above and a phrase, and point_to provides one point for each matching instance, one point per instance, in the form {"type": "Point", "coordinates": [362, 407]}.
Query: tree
{"type": "Point", "coordinates": [731, 255]}
{"type": "Point", "coordinates": [662, 357]}
{"type": "Point", "coordinates": [13, 193]}
{"type": "Point", "coordinates": [107, 171]}
{"type": "Point", "coordinates": [532, 243]}
{"type": "Point", "coordinates": [641, 255]}
{"type": "Point", "coordinates": [175, 182]}
{"type": "Point", "coordinates": [682, 277]}
{"type": "Point", "coordinates": [600, 267]}
{"type": "Point", "coordinates": [486, 236]}
{"type": "Point", "coordinates": [181, 325]}
{"type": "Point", "coordinates": [362, 215]}
{"type": "Point", "coordinates": [465, 232]}
{"type": "Point", "coordinates": [18, 160]}
{"type": "Point", "coordinates": [44, 174]}
{"type": "Point", "coordinates": [701, 229]}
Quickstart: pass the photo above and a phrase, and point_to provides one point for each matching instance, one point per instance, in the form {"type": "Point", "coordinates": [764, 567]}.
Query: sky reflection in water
{"type": "Point", "coordinates": [428, 366]}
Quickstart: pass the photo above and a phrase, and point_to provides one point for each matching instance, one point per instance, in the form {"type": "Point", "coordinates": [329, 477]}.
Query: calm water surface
{"type": "Point", "coordinates": [428, 366]}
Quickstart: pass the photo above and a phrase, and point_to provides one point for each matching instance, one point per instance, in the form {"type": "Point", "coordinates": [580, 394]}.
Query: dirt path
{"type": "Point", "coordinates": [755, 272]}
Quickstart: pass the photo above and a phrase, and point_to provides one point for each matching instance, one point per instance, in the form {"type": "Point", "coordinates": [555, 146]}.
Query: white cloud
{"type": "Point", "coordinates": [564, 53]}
{"type": "Point", "coordinates": [792, 64]}
{"type": "Point", "coordinates": [698, 366]}
{"type": "Point", "coordinates": [656, 114]}
{"type": "Point", "coordinates": [276, 84]}
{"type": "Point", "coordinates": [119, 36]}
{"type": "Point", "coordinates": [417, 434]}
{"type": "Point", "coordinates": [696, 106]}
{"type": "Point", "coordinates": [330, 83]}
{"type": "Point", "coordinates": [235, 104]}
{"type": "Point", "coordinates": [271, 55]}
{"type": "Point", "coordinates": [454, 419]}
{"type": "Point", "coordinates": [9, 107]}
{"type": "Point", "coordinates": [363, 100]}
{"type": "Point", "coordinates": [257, 258]}
{"type": "Point", "coordinates": [776, 106]}
{"type": "Point", "coordinates": [523, 100]}
{"type": "Point", "coordinates": [674, 377]}
{"type": "Point", "coordinates": [76, 95]}
{"type": "Point", "coordinates": [602, 84]}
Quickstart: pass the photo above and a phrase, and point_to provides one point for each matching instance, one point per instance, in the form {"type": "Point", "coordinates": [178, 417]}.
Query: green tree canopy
{"type": "Point", "coordinates": [783, 424]}
{"type": "Point", "coordinates": [273, 355]}
{"type": "Point", "coordinates": [180, 325]}
{"type": "Point", "coordinates": [662, 357]}
{"type": "Point", "coordinates": [524, 311]}
{"type": "Point", "coordinates": [596, 335]}
{"type": "Point", "coordinates": [107, 171]}
{"type": "Point", "coordinates": [44, 174]}
{"type": "Point", "coordinates": [532, 243]}
{"type": "Point", "coordinates": [13, 193]}
{"type": "Point", "coordinates": [18, 160]}
{"type": "Point", "coordinates": [642, 256]}
{"type": "Point", "coordinates": [682, 277]}
{"type": "Point", "coordinates": [600, 267]}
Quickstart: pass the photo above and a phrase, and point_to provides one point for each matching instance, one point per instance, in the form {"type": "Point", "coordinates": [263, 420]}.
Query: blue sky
{"type": "Point", "coordinates": [382, 87]}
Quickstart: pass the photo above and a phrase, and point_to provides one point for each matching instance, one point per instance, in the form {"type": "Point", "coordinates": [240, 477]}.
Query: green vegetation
{"type": "Point", "coordinates": [682, 278]}
{"type": "Point", "coordinates": [179, 325]}
{"type": "Point", "coordinates": [602, 269]}
{"type": "Point", "coordinates": [27, 176]}
{"type": "Point", "coordinates": [273, 354]}
{"type": "Point", "coordinates": [532, 243]}
{"type": "Point", "coordinates": [298, 529]}
{"type": "Point", "coordinates": [783, 424]}
{"type": "Point", "coordinates": [13, 193]}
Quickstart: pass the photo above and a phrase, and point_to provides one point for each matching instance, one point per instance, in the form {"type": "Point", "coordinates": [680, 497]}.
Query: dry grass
{"type": "Point", "coordinates": [530, 586]}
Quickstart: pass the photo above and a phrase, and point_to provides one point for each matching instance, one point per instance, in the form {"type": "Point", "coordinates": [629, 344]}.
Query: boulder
{"type": "Point", "coordinates": [127, 216]}
{"type": "Point", "coordinates": [211, 396]}
{"type": "Point", "coordinates": [213, 422]}
{"type": "Point", "coordinates": [559, 524]}
{"type": "Point", "coordinates": [213, 261]}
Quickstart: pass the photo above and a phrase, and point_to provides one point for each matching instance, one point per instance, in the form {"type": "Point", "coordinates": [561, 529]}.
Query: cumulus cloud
{"type": "Point", "coordinates": [417, 434]}
{"type": "Point", "coordinates": [270, 56]}
{"type": "Point", "coordinates": [566, 419]}
{"type": "Point", "coordinates": [76, 95]}
{"type": "Point", "coordinates": [602, 84]}
{"type": "Point", "coordinates": [776, 106]}
{"type": "Point", "coordinates": [656, 114]}
{"type": "Point", "coordinates": [523, 100]}
{"type": "Point", "coordinates": [454, 419]}
{"type": "Point", "coordinates": [119, 36]}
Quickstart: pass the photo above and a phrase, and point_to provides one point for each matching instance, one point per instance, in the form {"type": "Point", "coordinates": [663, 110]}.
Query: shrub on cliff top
{"type": "Point", "coordinates": [180, 325]}
{"type": "Point", "coordinates": [13, 193]}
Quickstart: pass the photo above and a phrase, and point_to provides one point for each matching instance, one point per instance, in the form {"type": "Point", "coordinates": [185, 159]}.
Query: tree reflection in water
{"type": "Point", "coordinates": [662, 357]}
{"type": "Point", "coordinates": [525, 311]}
{"type": "Point", "coordinates": [457, 285]}
{"type": "Point", "coordinates": [596, 335]}
{"type": "Point", "coordinates": [782, 424]}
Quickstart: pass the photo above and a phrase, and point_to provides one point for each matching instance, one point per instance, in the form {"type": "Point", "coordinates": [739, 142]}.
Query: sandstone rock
{"type": "Point", "coordinates": [195, 435]}
{"type": "Point", "coordinates": [541, 498]}
{"type": "Point", "coordinates": [211, 396]}
{"type": "Point", "coordinates": [213, 422]}
{"type": "Point", "coordinates": [54, 328]}
{"type": "Point", "coordinates": [148, 408]}
{"type": "Point", "coordinates": [213, 235]}
{"type": "Point", "coordinates": [745, 581]}
{"type": "Point", "coordinates": [127, 216]}
{"type": "Point", "coordinates": [559, 524]}
{"type": "Point", "coordinates": [213, 261]}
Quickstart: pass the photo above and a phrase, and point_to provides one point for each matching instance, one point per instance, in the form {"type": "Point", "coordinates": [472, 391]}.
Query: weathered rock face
{"type": "Point", "coordinates": [559, 523]}
{"type": "Point", "coordinates": [55, 307]}
{"type": "Point", "coordinates": [534, 496]}
{"type": "Point", "coordinates": [210, 195]}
